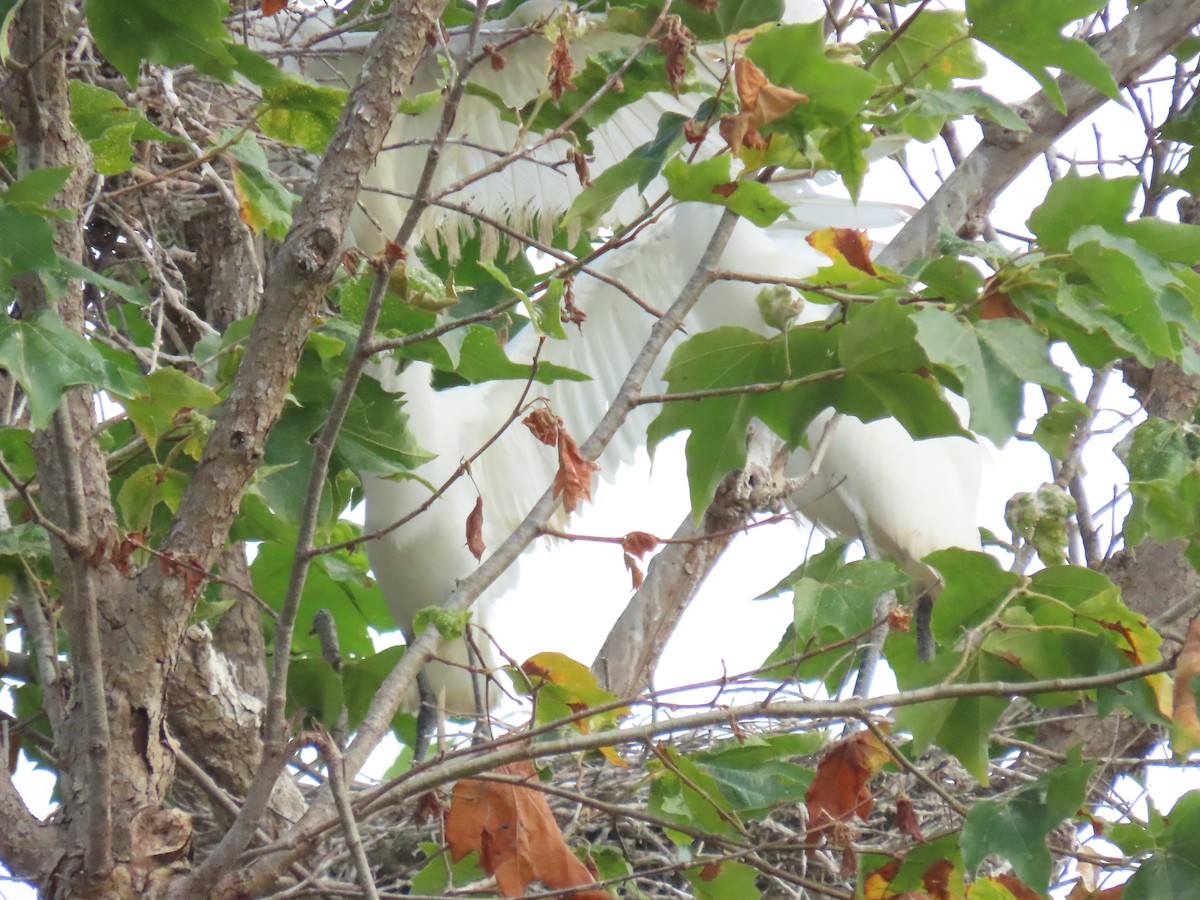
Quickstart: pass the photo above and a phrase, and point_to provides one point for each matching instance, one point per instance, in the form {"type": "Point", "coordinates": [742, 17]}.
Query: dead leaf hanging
{"type": "Point", "coordinates": [513, 831]}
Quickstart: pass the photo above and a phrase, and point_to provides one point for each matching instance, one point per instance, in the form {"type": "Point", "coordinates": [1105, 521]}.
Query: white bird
{"type": "Point", "coordinates": [875, 475]}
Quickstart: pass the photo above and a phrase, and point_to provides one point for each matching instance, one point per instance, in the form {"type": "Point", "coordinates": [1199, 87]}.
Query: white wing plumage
{"type": "Point", "coordinates": [915, 496]}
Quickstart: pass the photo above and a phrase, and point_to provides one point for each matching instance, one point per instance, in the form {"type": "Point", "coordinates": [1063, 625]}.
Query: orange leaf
{"type": "Point", "coordinates": [937, 879]}
{"type": "Point", "coordinates": [876, 885]}
{"type": "Point", "coordinates": [573, 480]}
{"type": "Point", "coordinates": [271, 7]}
{"type": "Point", "coordinates": [845, 245]}
{"type": "Point", "coordinates": [1187, 666]}
{"type": "Point", "coordinates": [1017, 887]}
{"type": "Point", "coordinates": [475, 530]}
{"type": "Point", "coordinates": [514, 833]}
{"type": "Point", "coordinates": [839, 790]}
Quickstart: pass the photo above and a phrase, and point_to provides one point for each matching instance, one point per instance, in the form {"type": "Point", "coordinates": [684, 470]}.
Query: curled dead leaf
{"type": "Point", "coordinates": [562, 67]}
{"type": "Point", "coordinates": [571, 314]}
{"type": "Point", "coordinates": [495, 57]}
{"type": "Point", "coordinates": [579, 159]}
{"type": "Point", "coordinates": [544, 424]}
{"type": "Point", "coordinates": [512, 829]}
{"type": "Point", "coordinates": [639, 543]}
{"type": "Point", "coordinates": [676, 44]}
{"type": "Point", "coordinates": [761, 103]}
{"type": "Point", "coordinates": [573, 480]}
{"type": "Point", "coordinates": [475, 530]}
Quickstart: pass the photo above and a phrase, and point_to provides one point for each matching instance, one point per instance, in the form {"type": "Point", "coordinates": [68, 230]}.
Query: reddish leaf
{"type": "Point", "coordinates": [898, 618]}
{"type": "Point", "coordinates": [906, 818]}
{"type": "Point", "coordinates": [573, 481]}
{"type": "Point", "coordinates": [429, 808]}
{"type": "Point", "coordinates": [475, 530]}
{"type": "Point", "coordinates": [561, 69]}
{"type": "Point", "coordinates": [839, 790]}
{"type": "Point", "coordinates": [514, 833]}
{"type": "Point", "coordinates": [271, 7]}
{"type": "Point", "coordinates": [725, 190]}
{"type": "Point", "coordinates": [710, 872]}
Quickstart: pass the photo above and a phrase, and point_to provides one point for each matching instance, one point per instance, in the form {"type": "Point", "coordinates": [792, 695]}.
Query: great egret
{"type": "Point", "coordinates": [875, 475]}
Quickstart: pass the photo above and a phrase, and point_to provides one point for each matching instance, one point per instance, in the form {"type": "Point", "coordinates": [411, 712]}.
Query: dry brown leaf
{"type": "Point", "coordinates": [762, 103]}
{"type": "Point", "coordinates": [514, 833]}
{"type": "Point", "coordinates": [497, 59]}
{"type": "Point", "coordinates": [579, 159]}
{"type": "Point", "coordinates": [845, 245]}
{"type": "Point", "coordinates": [1187, 666]}
{"type": "Point", "coordinates": [544, 424]}
{"type": "Point", "coordinates": [676, 45]}
{"type": "Point", "coordinates": [573, 480]}
{"type": "Point", "coordinates": [898, 618]}
{"type": "Point", "coordinates": [937, 879]}
{"type": "Point", "coordinates": [562, 67]}
{"type": "Point", "coordinates": [475, 530]}
{"type": "Point", "coordinates": [271, 7]}
{"type": "Point", "coordinates": [839, 789]}
{"type": "Point", "coordinates": [571, 314]}
{"type": "Point", "coordinates": [636, 575]}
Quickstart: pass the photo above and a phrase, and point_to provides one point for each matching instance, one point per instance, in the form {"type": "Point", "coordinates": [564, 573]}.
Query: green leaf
{"type": "Point", "coordinates": [708, 182]}
{"type": "Point", "coordinates": [46, 357]}
{"type": "Point", "coordinates": [725, 880]}
{"type": "Point", "coordinates": [341, 587]}
{"type": "Point", "coordinates": [924, 117]}
{"type": "Point", "coordinates": [1030, 33]}
{"type": "Point", "coordinates": [36, 189]}
{"type": "Point", "coordinates": [1076, 201]}
{"type": "Point", "coordinates": [110, 127]}
{"type": "Point", "coordinates": [1055, 430]}
{"type": "Point", "coordinates": [545, 318]}
{"type": "Point", "coordinates": [23, 539]}
{"type": "Point", "coordinates": [302, 114]}
{"type": "Point", "coordinates": [1173, 869]}
{"type": "Point", "coordinates": [265, 204]}
{"type": "Point", "coordinates": [755, 775]}
{"type": "Point", "coordinates": [144, 490]}
{"type": "Point", "coordinates": [173, 34]}
{"type": "Point", "coordinates": [930, 53]}
{"type": "Point", "coordinates": [314, 686]}
{"type": "Point", "coordinates": [168, 393]}
{"type": "Point", "coordinates": [483, 359]}
{"type": "Point", "coordinates": [640, 167]}
{"type": "Point", "coordinates": [1016, 827]}
{"type": "Point", "coordinates": [451, 624]}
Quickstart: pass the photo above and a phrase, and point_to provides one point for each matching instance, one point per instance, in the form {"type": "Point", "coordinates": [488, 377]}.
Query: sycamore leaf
{"type": "Point", "coordinates": [514, 833]}
{"type": "Point", "coordinates": [1030, 33]}
{"type": "Point", "coordinates": [1016, 826]}
{"type": "Point", "coordinates": [173, 34]}
{"type": "Point", "coordinates": [839, 790]}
